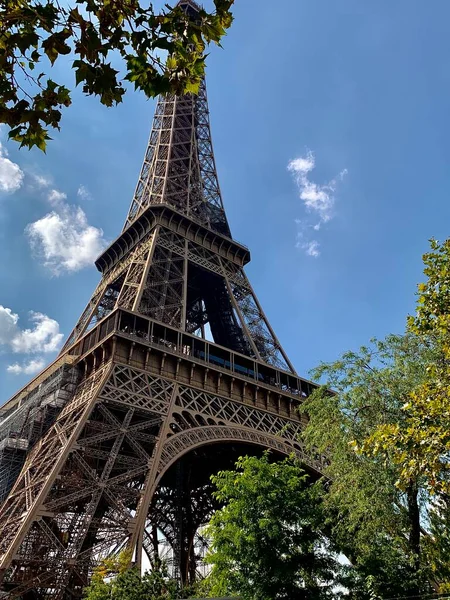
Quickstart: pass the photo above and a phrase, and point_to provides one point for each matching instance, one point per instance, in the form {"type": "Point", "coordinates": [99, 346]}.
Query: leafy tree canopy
{"type": "Point", "coordinates": [266, 540]}
{"type": "Point", "coordinates": [99, 35]}
{"type": "Point", "coordinates": [421, 446]}
{"type": "Point", "coordinates": [386, 531]}
{"type": "Point", "coordinates": [433, 296]}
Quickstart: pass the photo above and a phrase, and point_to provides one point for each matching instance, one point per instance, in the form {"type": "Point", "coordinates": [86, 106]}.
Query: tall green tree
{"type": "Point", "coordinates": [421, 445]}
{"type": "Point", "coordinates": [266, 540]}
{"type": "Point", "coordinates": [383, 529]}
{"type": "Point", "coordinates": [108, 42]}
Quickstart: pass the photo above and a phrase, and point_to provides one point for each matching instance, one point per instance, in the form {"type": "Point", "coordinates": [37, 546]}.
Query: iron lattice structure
{"type": "Point", "coordinates": [113, 445]}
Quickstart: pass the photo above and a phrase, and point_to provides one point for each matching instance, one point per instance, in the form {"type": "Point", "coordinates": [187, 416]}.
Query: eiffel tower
{"type": "Point", "coordinates": [170, 374]}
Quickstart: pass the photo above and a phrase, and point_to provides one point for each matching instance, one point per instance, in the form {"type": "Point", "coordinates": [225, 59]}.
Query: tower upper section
{"type": "Point", "coordinates": [179, 168]}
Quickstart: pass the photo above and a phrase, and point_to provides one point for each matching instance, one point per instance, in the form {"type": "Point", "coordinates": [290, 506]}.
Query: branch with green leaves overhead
{"type": "Point", "coordinates": [159, 52]}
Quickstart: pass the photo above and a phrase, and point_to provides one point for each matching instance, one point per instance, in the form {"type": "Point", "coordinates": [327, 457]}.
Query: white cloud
{"type": "Point", "coordinates": [64, 240]}
{"type": "Point", "coordinates": [318, 199]}
{"type": "Point", "coordinates": [28, 368]}
{"type": "Point", "coordinates": [303, 164]}
{"type": "Point", "coordinates": [41, 180]}
{"type": "Point", "coordinates": [55, 197]}
{"type": "Point", "coordinates": [44, 336]}
{"type": "Point", "coordinates": [83, 193]}
{"type": "Point", "coordinates": [312, 248]}
{"type": "Point", "coordinates": [8, 325]}
{"type": "Point", "coordinates": [11, 175]}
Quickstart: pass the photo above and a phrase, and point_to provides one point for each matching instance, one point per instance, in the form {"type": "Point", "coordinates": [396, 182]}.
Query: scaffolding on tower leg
{"type": "Point", "coordinates": [33, 412]}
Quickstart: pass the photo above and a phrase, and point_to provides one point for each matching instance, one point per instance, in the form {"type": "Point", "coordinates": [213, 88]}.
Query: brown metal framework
{"type": "Point", "coordinates": [171, 372]}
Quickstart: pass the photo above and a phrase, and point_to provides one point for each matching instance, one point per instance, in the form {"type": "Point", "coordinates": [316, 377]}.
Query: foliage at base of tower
{"type": "Point", "coordinates": [390, 534]}
{"type": "Point", "coordinates": [115, 580]}
{"type": "Point", "coordinates": [96, 34]}
{"type": "Point", "coordinates": [421, 446]}
{"type": "Point", "coordinates": [266, 540]}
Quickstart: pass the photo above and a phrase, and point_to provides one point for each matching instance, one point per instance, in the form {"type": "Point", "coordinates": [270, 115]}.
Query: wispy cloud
{"type": "Point", "coordinates": [312, 248]}
{"type": "Point", "coordinates": [44, 336]}
{"type": "Point", "coordinates": [41, 180]}
{"type": "Point", "coordinates": [303, 239]}
{"type": "Point", "coordinates": [83, 193]}
{"type": "Point", "coordinates": [55, 197]}
{"type": "Point", "coordinates": [11, 175]}
{"type": "Point", "coordinates": [318, 199]}
{"type": "Point", "coordinates": [29, 367]}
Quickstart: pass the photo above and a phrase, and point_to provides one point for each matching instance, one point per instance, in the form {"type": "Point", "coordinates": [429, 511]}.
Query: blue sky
{"type": "Point", "coordinates": [359, 91]}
